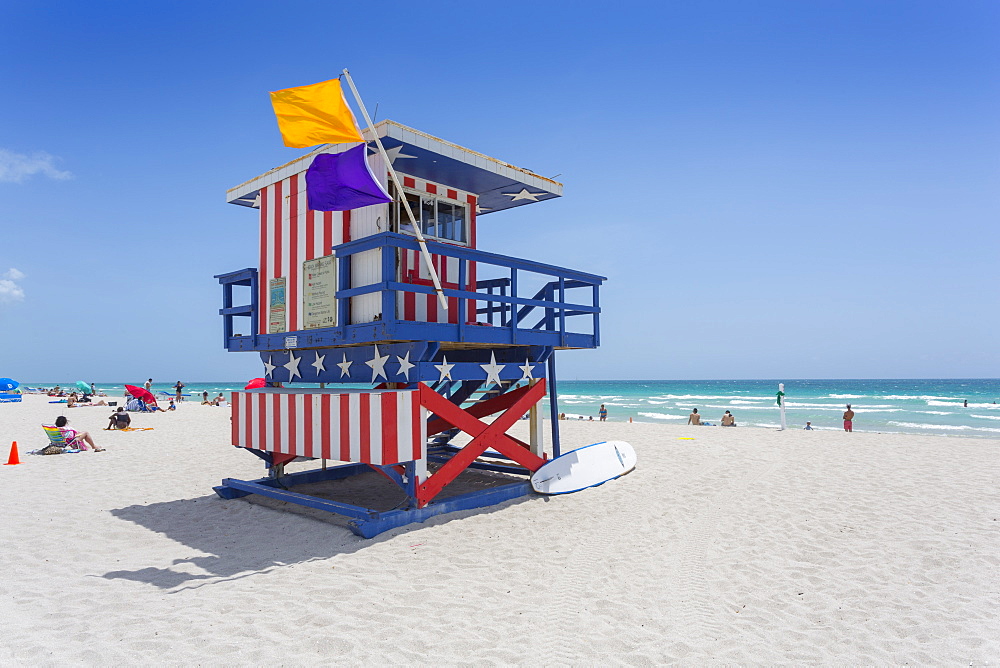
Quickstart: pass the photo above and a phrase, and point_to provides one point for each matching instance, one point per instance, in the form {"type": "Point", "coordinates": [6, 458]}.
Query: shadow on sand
{"type": "Point", "coordinates": [254, 535]}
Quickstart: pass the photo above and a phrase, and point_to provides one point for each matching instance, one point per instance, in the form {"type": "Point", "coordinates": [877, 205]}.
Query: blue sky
{"type": "Point", "coordinates": [773, 189]}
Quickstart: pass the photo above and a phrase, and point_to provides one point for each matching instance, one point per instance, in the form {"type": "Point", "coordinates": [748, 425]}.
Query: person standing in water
{"type": "Point", "coordinates": [848, 419]}
{"type": "Point", "coordinates": [603, 413]}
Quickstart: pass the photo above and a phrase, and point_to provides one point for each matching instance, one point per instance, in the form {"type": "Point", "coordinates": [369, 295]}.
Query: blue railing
{"type": "Point", "coordinates": [546, 318]}
{"type": "Point", "coordinates": [503, 306]}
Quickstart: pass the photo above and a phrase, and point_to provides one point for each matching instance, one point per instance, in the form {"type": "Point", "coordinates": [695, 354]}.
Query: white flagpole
{"type": "Point", "coordinates": [781, 395]}
{"type": "Point", "coordinates": [399, 189]}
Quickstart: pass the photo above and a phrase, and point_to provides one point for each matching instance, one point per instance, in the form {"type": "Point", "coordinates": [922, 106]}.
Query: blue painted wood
{"type": "Point", "coordinates": [366, 522]}
{"type": "Point", "coordinates": [467, 364]}
{"type": "Point", "coordinates": [485, 466]}
{"type": "Point", "coordinates": [395, 240]}
{"type": "Point", "coordinates": [256, 487]}
{"type": "Point", "coordinates": [553, 405]}
{"type": "Point", "coordinates": [371, 527]}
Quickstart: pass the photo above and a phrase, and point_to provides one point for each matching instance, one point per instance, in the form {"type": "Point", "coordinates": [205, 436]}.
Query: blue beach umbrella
{"type": "Point", "coordinates": [6, 384]}
{"type": "Point", "coordinates": [83, 386]}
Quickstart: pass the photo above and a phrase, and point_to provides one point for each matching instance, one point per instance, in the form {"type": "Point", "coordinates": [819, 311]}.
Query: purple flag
{"type": "Point", "coordinates": [342, 181]}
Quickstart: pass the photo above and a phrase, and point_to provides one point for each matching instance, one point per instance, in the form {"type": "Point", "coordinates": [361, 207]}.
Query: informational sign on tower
{"type": "Point", "coordinates": [319, 301]}
{"type": "Point", "coordinates": [276, 306]}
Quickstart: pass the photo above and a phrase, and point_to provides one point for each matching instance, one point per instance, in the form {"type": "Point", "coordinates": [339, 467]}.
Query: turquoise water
{"type": "Point", "coordinates": [902, 406]}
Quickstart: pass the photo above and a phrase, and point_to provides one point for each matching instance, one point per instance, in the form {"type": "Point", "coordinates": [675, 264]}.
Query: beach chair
{"type": "Point", "coordinates": [58, 437]}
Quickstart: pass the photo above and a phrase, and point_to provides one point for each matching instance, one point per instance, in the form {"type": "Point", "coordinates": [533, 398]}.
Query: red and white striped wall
{"type": "Point", "coordinates": [291, 233]}
{"type": "Point", "coordinates": [376, 427]}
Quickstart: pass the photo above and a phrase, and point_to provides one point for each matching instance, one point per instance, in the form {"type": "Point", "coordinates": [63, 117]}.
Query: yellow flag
{"type": "Point", "coordinates": [316, 114]}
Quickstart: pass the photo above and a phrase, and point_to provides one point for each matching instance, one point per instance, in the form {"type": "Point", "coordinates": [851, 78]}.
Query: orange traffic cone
{"type": "Point", "coordinates": [13, 459]}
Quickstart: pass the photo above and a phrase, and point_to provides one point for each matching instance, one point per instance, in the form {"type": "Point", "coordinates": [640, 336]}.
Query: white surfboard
{"type": "Point", "coordinates": [585, 467]}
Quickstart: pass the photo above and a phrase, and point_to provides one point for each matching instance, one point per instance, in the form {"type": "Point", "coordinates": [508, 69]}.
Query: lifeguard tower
{"type": "Point", "coordinates": [342, 301]}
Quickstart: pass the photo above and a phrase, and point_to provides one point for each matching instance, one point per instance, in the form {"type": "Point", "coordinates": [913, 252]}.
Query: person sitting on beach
{"type": "Point", "coordinates": [694, 418]}
{"type": "Point", "coordinates": [72, 435]}
{"type": "Point", "coordinates": [219, 400]}
{"type": "Point", "coordinates": [204, 399]}
{"type": "Point", "coordinates": [809, 426]}
{"type": "Point", "coordinates": [119, 420]}
{"type": "Point", "coordinates": [72, 400]}
{"type": "Point", "coordinates": [728, 420]}
{"type": "Point", "coordinates": [152, 408]}
{"type": "Point", "coordinates": [171, 407]}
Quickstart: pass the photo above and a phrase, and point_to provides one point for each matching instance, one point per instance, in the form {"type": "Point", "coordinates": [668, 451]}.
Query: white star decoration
{"type": "Point", "coordinates": [481, 209]}
{"type": "Point", "coordinates": [293, 367]}
{"type": "Point", "coordinates": [405, 365]}
{"type": "Point", "coordinates": [492, 370]}
{"type": "Point", "coordinates": [319, 364]}
{"type": "Point", "coordinates": [395, 153]}
{"type": "Point", "coordinates": [269, 368]}
{"type": "Point", "coordinates": [524, 194]}
{"type": "Point", "coordinates": [526, 369]}
{"type": "Point", "coordinates": [256, 201]}
{"type": "Point", "coordinates": [344, 366]}
{"type": "Point", "coordinates": [378, 365]}
{"type": "Point", "coordinates": [444, 369]}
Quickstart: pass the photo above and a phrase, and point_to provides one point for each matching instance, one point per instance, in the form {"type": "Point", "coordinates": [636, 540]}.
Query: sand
{"type": "Point", "coordinates": [741, 546]}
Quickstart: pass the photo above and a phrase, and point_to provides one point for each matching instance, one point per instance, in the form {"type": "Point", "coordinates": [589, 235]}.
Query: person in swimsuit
{"type": "Point", "coordinates": [728, 420]}
{"type": "Point", "coordinates": [694, 418]}
{"type": "Point", "coordinates": [848, 419]}
{"type": "Point", "coordinates": [119, 420]}
{"type": "Point", "coordinates": [72, 435]}
{"type": "Point", "coordinates": [603, 413]}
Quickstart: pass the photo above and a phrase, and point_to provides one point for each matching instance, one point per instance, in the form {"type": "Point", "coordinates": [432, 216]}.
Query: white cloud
{"type": "Point", "coordinates": [10, 291]}
{"type": "Point", "coordinates": [16, 167]}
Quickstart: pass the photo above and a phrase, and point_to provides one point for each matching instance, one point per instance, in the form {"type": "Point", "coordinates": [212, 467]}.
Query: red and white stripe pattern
{"type": "Point", "coordinates": [378, 427]}
{"type": "Point", "coordinates": [426, 308]}
{"type": "Point", "coordinates": [290, 233]}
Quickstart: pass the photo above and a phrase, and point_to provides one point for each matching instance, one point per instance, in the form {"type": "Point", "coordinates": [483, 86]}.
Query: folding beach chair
{"type": "Point", "coordinates": [58, 437]}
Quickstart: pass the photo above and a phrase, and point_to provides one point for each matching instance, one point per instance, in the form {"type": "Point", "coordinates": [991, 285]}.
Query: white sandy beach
{"type": "Point", "coordinates": [741, 546]}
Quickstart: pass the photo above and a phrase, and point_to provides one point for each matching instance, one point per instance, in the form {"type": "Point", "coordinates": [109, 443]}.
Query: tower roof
{"type": "Point", "coordinates": [497, 184]}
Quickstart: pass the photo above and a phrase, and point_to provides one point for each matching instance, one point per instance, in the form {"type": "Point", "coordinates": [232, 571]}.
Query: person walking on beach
{"type": "Point", "coordinates": [848, 419]}
{"type": "Point", "coordinates": [603, 413]}
{"type": "Point", "coordinates": [178, 387]}
{"type": "Point", "coordinates": [694, 418]}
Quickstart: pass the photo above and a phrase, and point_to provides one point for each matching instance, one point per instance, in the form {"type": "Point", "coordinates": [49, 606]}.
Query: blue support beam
{"type": "Point", "coordinates": [366, 522]}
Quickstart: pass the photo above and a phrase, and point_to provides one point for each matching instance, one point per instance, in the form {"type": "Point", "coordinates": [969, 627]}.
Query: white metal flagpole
{"type": "Point", "coordinates": [399, 189]}
{"type": "Point", "coordinates": [781, 403]}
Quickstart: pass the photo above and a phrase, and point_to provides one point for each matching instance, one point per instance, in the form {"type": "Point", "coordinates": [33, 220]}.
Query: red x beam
{"type": "Point", "coordinates": [484, 435]}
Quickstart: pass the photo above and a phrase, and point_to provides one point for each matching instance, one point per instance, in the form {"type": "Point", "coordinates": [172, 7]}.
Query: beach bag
{"type": "Point", "coordinates": [51, 450]}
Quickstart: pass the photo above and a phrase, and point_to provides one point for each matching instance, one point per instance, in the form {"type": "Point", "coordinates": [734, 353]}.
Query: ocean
{"type": "Point", "coordinates": [885, 406]}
